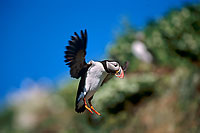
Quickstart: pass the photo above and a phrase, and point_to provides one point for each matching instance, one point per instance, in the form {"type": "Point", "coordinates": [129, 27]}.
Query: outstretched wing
{"type": "Point", "coordinates": [110, 76]}
{"type": "Point", "coordinates": [75, 54]}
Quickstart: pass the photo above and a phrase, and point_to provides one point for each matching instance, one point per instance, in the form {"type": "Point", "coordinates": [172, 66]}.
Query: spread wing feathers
{"type": "Point", "coordinates": [75, 54]}
{"type": "Point", "coordinates": [110, 76]}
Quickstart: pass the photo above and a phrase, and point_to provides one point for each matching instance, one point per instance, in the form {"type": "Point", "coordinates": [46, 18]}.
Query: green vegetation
{"type": "Point", "coordinates": [154, 98]}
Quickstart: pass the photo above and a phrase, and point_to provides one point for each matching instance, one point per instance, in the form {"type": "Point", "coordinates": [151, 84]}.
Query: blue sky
{"type": "Point", "coordinates": [34, 33]}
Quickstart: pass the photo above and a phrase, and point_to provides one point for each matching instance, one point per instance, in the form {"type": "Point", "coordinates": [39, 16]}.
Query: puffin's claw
{"type": "Point", "coordinates": [87, 107]}
{"type": "Point", "coordinates": [93, 109]}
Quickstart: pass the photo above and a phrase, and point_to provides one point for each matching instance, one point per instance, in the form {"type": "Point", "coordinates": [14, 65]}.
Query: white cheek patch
{"type": "Point", "coordinates": [117, 68]}
{"type": "Point", "coordinates": [111, 67]}
{"type": "Point", "coordinates": [107, 65]}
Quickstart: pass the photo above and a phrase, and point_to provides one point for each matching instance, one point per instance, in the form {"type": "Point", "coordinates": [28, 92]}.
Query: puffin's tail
{"type": "Point", "coordinates": [80, 106]}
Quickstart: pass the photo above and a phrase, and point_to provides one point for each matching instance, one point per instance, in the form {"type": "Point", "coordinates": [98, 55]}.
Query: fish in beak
{"type": "Point", "coordinates": [120, 73]}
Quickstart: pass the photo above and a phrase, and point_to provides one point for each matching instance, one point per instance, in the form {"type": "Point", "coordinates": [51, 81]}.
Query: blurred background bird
{"type": "Point", "coordinates": [140, 50]}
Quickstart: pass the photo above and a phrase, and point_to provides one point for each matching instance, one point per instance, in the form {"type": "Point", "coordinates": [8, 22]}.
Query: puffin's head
{"type": "Point", "coordinates": [113, 67]}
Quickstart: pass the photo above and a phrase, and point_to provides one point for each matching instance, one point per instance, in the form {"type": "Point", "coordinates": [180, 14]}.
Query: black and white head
{"type": "Point", "coordinates": [113, 67]}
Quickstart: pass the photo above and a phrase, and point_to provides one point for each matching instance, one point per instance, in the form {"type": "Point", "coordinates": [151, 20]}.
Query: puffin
{"type": "Point", "coordinates": [92, 74]}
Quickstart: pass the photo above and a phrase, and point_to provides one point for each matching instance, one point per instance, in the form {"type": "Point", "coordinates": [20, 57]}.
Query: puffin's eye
{"type": "Point", "coordinates": [116, 65]}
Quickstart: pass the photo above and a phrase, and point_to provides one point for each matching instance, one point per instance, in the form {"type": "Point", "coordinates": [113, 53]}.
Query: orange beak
{"type": "Point", "coordinates": [120, 73]}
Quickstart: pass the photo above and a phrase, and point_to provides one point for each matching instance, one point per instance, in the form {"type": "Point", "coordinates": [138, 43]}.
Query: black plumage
{"type": "Point", "coordinates": [75, 54]}
{"type": "Point", "coordinates": [75, 59]}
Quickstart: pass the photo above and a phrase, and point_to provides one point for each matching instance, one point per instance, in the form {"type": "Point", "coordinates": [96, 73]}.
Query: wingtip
{"type": "Point", "coordinates": [72, 38]}
{"type": "Point", "coordinates": [76, 34]}
{"type": "Point", "coordinates": [84, 32]}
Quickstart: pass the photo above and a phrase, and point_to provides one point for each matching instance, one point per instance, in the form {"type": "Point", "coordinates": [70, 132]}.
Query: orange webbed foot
{"type": "Point", "coordinates": [93, 109]}
{"type": "Point", "coordinates": [87, 107]}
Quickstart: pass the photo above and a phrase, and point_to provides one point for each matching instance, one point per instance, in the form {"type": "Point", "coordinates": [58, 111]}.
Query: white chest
{"type": "Point", "coordinates": [95, 76]}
